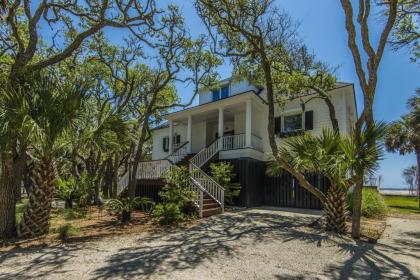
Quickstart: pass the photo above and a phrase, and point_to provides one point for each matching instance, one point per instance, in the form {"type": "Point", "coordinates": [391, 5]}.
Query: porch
{"type": "Point", "coordinates": [238, 123]}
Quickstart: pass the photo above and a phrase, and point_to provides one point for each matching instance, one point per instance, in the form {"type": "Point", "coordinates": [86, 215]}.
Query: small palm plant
{"type": "Point", "coordinates": [339, 159]}
{"type": "Point", "coordinates": [53, 106]}
{"type": "Point", "coordinates": [125, 206]}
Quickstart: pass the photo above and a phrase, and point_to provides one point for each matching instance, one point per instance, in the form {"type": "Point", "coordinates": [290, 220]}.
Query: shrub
{"type": "Point", "coordinates": [222, 173]}
{"type": "Point", "coordinates": [373, 203]}
{"type": "Point", "coordinates": [178, 200]}
{"type": "Point", "coordinates": [72, 189]}
{"type": "Point", "coordinates": [167, 214]}
{"type": "Point", "coordinates": [125, 206]}
{"type": "Point", "coordinates": [65, 231]}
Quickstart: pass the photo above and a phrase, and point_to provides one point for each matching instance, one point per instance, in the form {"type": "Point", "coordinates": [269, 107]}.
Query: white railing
{"type": "Point", "coordinates": [211, 187]}
{"type": "Point", "coordinates": [152, 169]}
{"type": "Point", "coordinates": [233, 142]}
{"type": "Point", "coordinates": [123, 182]}
{"type": "Point", "coordinates": [179, 153]}
{"type": "Point", "coordinates": [206, 154]}
{"type": "Point", "coordinates": [199, 195]}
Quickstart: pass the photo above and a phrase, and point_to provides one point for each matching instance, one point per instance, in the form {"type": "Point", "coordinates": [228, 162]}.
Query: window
{"type": "Point", "coordinates": [220, 93]}
{"type": "Point", "coordinates": [224, 92]}
{"type": "Point", "coordinates": [292, 123]}
{"type": "Point", "coordinates": [165, 142]}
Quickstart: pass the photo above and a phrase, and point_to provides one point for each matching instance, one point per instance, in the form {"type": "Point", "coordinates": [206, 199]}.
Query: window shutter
{"type": "Point", "coordinates": [165, 145]}
{"type": "Point", "coordinates": [178, 139]}
{"type": "Point", "coordinates": [216, 94]}
{"type": "Point", "coordinates": [309, 120]}
{"type": "Point", "coordinates": [224, 92]}
{"type": "Point", "coordinates": [277, 125]}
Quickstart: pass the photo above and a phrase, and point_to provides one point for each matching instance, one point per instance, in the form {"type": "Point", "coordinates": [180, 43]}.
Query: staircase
{"type": "Point", "coordinates": [209, 194]}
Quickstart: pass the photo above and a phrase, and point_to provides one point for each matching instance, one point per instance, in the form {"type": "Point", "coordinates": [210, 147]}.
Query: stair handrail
{"type": "Point", "coordinates": [211, 187]}
{"type": "Point", "coordinates": [207, 153]}
{"type": "Point", "coordinates": [178, 153]}
{"type": "Point", "coordinates": [199, 190]}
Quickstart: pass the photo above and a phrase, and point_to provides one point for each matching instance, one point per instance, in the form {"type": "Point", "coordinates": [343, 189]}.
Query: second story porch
{"type": "Point", "coordinates": [237, 123]}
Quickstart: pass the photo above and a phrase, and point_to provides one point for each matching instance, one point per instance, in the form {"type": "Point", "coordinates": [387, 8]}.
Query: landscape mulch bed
{"type": "Point", "coordinates": [98, 223]}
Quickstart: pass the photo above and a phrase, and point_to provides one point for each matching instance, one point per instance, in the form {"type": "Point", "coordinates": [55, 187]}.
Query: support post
{"type": "Point", "coordinates": [189, 134]}
{"type": "Point", "coordinates": [171, 137]}
{"type": "Point", "coordinates": [248, 121]}
{"type": "Point", "coordinates": [220, 128]}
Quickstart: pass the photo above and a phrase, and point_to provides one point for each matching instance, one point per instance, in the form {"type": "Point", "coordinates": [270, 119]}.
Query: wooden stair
{"type": "Point", "coordinates": [210, 207]}
{"type": "Point", "coordinates": [186, 160]}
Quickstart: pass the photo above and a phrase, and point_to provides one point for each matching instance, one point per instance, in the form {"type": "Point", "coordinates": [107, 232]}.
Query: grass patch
{"type": "Point", "coordinates": [20, 208]}
{"type": "Point", "coordinates": [399, 204]}
{"type": "Point", "coordinates": [65, 231]}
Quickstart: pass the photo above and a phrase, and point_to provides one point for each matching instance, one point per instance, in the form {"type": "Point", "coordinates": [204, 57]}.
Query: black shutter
{"type": "Point", "coordinates": [309, 120]}
{"type": "Point", "coordinates": [277, 125]}
{"type": "Point", "coordinates": [178, 139]}
{"type": "Point", "coordinates": [165, 144]}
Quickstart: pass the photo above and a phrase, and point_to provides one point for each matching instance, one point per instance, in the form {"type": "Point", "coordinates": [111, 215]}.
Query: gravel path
{"type": "Point", "coordinates": [252, 244]}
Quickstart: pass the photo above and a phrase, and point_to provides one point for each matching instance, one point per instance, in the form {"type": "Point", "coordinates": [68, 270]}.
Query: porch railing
{"type": "Point", "coordinates": [153, 169]}
{"type": "Point", "coordinates": [179, 153]}
{"type": "Point", "coordinates": [233, 142]}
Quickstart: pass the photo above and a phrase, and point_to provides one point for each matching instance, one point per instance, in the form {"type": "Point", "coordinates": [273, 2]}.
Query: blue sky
{"type": "Point", "coordinates": [322, 29]}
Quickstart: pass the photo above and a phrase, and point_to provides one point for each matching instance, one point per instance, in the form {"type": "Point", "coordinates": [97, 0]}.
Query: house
{"type": "Point", "coordinates": [230, 124]}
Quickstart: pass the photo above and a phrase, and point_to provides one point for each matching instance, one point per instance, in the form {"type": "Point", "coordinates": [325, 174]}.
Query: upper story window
{"type": "Point", "coordinates": [292, 123]}
{"type": "Point", "coordinates": [220, 93]}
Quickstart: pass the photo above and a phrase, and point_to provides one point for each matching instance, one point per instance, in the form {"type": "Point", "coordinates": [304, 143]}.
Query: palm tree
{"type": "Point", "coordinates": [404, 135]}
{"type": "Point", "coordinates": [336, 157]}
{"type": "Point", "coordinates": [52, 108]}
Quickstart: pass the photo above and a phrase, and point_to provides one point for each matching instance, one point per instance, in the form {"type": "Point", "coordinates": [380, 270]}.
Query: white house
{"type": "Point", "coordinates": [230, 124]}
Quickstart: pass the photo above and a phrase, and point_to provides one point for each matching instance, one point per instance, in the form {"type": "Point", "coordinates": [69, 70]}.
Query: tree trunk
{"type": "Point", "coordinates": [418, 173]}
{"type": "Point", "coordinates": [7, 200]}
{"type": "Point", "coordinates": [36, 218]}
{"type": "Point", "coordinates": [335, 209]}
{"type": "Point", "coordinates": [357, 209]}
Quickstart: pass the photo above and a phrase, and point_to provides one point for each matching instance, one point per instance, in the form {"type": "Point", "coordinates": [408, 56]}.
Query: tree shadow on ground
{"type": "Point", "coordinates": [48, 261]}
{"type": "Point", "coordinates": [161, 254]}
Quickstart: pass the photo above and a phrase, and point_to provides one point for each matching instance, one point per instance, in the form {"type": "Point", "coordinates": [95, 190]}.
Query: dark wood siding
{"type": "Point", "coordinates": [285, 191]}
{"type": "Point", "coordinates": [150, 189]}
{"type": "Point", "coordinates": [257, 188]}
{"type": "Point", "coordinates": [250, 175]}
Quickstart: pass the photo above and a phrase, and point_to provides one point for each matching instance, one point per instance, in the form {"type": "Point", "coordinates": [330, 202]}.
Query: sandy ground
{"type": "Point", "coordinates": [251, 244]}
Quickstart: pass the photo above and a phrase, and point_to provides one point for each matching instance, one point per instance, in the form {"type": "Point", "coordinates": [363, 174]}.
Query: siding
{"type": "Point", "coordinates": [234, 89]}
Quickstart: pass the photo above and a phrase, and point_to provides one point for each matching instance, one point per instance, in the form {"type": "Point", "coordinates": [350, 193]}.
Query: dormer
{"type": "Point", "coordinates": [225, 89]}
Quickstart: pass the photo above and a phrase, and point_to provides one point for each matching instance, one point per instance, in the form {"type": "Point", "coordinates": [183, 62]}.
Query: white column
{"type": "Point", "coordinates": [248, 121]}
{"type": "Point", "coordinates": [189, 133]}
{"type": "Point", "coordinates": [171, 136]}
{"type": "Point", "coordinates": [220, 127]}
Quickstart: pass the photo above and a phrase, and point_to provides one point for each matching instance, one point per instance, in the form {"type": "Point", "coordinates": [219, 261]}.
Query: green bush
{"type": "Point", "coordinates": [167, 214]}
{"type": "Point", "coordinates": [71, 189]}
{"type": "Point", "coordinates": [125, 206]}
{"type": "Point", "coordinates": [178, 200]}
{"type": "Point", "coordinates": [373, 203]}
{"type": "Point", "coordinates": [222, 173]}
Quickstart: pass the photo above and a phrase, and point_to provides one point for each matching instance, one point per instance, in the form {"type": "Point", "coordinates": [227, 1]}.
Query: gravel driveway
{"type": "Point", "coordinates": [251, 244]}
